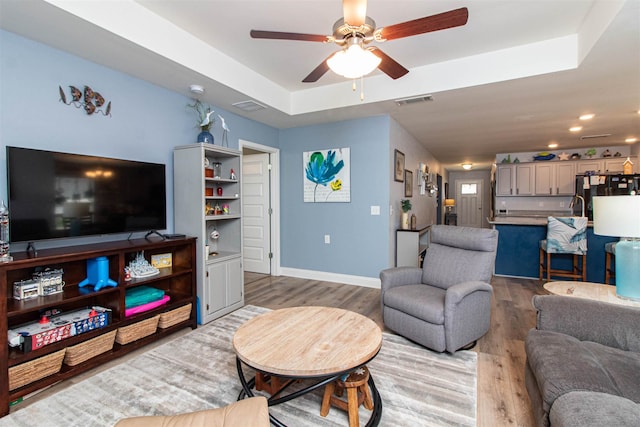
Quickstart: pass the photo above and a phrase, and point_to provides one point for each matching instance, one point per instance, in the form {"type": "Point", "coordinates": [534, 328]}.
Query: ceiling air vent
{"type": "Point", "coordinates": [414, 100]}
{"type": "Point", "coordinates": [603, 135]}
{"type": "Point", "coordinates": [249, 106]}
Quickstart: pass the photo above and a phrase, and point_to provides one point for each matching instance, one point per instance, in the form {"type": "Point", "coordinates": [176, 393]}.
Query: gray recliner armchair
{"type": "Point", "coordinates": [446, 304]}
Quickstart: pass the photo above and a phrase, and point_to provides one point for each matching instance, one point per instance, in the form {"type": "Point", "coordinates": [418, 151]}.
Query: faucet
{"type": "Point", "coordinates": [573, 201]}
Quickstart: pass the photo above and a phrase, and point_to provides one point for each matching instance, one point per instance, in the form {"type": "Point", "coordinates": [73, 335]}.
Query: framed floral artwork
{"type": "Point", "coordinates": [327, 175]}
{"type": "Point", "coordinates": [398, 161]}
{"type": "Point", "coordinates": [408, 183]}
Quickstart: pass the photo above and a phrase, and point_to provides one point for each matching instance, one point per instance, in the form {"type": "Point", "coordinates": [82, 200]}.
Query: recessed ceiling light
{"type": "Point", "coordinates": [575, 128]}
{"type": "Point", "coordinates": [553, 145]}
{"type": "Point", "coordinates": [587, 116]}
{"type": "Point", "coordinates": [467, 166]}
{"type": "Point", "coordinates": [631, 140]}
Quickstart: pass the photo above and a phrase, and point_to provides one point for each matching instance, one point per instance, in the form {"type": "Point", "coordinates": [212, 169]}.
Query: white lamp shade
{"type": "Point", "coordinates": [353, 62]}
{"type": "Point", "coordinates": [617, 216]}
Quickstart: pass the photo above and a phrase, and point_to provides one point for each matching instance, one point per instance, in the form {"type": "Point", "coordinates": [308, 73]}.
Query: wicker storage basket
{"type": "Point", "coordinates": [137, 330]}
{"type": "Point", "coordinates": [175, 316]}
{"type": "Point", "coordinates": [36, 369]}
{"type": "Point", "coordinates": [77, 354]}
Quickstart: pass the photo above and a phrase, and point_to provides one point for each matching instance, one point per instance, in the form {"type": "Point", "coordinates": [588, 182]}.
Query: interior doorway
{"type": "Point", "coordinates": [469, 198]}
{"type": "Point", "coordinates": [260, 203]}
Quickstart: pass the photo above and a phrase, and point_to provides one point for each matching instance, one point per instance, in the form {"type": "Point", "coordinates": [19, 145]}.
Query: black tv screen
{"type": "Point", "coordinates": [58, 195]}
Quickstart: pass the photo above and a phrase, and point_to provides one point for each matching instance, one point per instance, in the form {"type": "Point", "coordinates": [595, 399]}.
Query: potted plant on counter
{"type": "Point", "coordinates": [406, 207]}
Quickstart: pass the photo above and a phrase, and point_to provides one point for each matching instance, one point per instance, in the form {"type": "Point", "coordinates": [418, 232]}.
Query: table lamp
{"type": "Point", "coordinates": [620, 216]}
{"type": "Point", "coordinates": [449, 204]}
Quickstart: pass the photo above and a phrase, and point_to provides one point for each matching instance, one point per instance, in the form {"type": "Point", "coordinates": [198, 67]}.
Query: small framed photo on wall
{"type": "Point", "coordinates": [408, 183]}
{"type": "Point", "coordinates": [398, 161]}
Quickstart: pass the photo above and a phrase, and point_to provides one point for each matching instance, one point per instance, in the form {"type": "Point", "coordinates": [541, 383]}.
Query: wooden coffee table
{"type": "Point", "coordinates": [592, 291]}
{"type": "Point", "coordinates": [318, 344]}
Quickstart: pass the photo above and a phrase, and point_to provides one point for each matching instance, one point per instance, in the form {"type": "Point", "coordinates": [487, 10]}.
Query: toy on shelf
{"type": "Point", "coordinates": [56, 326]}
{"type": "Point", "coordinates": [140, 267]}
{"type": "Point", "coordinates": [98, 274]}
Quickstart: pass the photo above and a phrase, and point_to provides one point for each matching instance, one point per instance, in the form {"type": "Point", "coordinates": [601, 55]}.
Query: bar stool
{"type": "Point", "coordinates": [565, 235]}
{"type": "Point", "coordinates": [358, 393]}
{"type": "Point", "coordinates": [609, 268]}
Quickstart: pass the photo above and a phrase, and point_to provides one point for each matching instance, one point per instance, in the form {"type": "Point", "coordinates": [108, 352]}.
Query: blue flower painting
{"type": "Point", "coordinates": [326, 176]}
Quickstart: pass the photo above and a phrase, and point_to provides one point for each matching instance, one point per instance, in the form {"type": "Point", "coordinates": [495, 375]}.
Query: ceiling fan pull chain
{"type": "Point", "coordinates": [353, 86]}
{"type": "Point", "coordinates": [361, 88]}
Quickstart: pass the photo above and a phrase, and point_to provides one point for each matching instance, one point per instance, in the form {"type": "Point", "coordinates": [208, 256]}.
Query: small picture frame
{"type": "Point", "coordinates": [398, 161]}
{"type": "Point", "coordinates": [408, 183]}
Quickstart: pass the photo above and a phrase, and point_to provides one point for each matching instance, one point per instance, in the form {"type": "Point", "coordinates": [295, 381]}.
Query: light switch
{"type": "Point", "coordinates": [375, 210]}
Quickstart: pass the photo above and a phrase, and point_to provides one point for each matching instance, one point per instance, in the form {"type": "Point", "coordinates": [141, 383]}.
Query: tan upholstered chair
{"type": "Point", "coordinates": [252, 412]}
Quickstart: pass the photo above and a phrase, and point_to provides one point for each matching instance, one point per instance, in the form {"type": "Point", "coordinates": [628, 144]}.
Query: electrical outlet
{"type": "Point", "coordinates": [327, 239]}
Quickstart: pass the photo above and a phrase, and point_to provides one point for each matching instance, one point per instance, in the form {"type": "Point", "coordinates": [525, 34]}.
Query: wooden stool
{"type": "Point", "coordinates": [578, 270]}
{"type": "Point", "coordinates": [358, 393]}
{"type": "Point", "coordinates": [609, 269]}
{"type": "Point", "coordinates": [270, 383]}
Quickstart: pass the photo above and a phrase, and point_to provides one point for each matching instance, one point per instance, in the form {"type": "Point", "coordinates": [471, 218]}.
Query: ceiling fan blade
{"type": "Point", "coordinates": [277, 35]}
{"type": "Point", "coordinates": [441, 21]}
{"type": "Point", "coordinates": [355, 12]}
{"type": "Point", "coordinates": [388, 65]}
{"type": "Point", "coordinates": [318, 72]}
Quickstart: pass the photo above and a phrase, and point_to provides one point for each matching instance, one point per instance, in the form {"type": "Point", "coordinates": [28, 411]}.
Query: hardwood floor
{"type": "Point", "coordinates": [502, 397]}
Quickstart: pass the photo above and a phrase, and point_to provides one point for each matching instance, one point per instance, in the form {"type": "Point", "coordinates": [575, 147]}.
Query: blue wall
{"type": "Point", "coordinates": [359, 242]}
{"type": "Point", "coordinates": [147, 121]}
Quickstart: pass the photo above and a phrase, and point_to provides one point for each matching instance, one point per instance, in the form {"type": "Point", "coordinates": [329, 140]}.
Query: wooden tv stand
{"type": "Point", "coordinates": [177, 281]}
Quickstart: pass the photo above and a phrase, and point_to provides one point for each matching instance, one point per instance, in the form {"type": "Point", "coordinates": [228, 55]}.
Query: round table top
{"type": "Point", "coordinates": [593, 291]}
{"type": "Point", "coordinates": [307, 341]}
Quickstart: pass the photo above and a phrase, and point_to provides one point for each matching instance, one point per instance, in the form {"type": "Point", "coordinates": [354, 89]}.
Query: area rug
{"type": "Point", "coordinates": [197, 371]}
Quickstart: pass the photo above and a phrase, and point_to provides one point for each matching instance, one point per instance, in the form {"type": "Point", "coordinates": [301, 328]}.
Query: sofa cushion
{"type": "Point", "coordinates": [591, 409]}
{"type": "Point", "coordinates": [420, 301]}
{"type": "Point", "coordinates": [562, 363]}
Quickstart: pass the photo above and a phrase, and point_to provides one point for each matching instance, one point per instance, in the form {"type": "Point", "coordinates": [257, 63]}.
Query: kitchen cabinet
{"type": "Point", "coordinates": [583, 166]}
{"type": "Point", "coordinates": [615, 164]}
{"type": "Point", "coordinates": [555, 179]}
{"type": "Point", "coordinates": [515, 179]}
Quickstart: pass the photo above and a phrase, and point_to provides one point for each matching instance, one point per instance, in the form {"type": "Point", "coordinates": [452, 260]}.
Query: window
{"type": "Point", "coordinates": [469, 189]}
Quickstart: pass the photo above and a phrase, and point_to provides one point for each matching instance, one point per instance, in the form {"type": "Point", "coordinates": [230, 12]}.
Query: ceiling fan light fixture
{"type": "Point", "coordinates": [467, 166]}
{"type": "Point", "coordinates": [353, 62]}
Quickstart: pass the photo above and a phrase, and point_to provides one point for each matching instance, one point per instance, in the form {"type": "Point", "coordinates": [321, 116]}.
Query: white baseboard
{"type": "Point", "coordinates": [368, 282]}
{"type": "Point", "coordinates": [517, 277]}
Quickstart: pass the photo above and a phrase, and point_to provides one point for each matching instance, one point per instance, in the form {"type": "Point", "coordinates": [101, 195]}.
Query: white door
{"type": "Point", "coordinates": [255, 211]}
{"type": "Point", "coordinates": [469, 202]}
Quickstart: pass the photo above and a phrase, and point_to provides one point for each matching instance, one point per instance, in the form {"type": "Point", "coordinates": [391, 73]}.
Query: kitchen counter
{"type": "Point", "coordinates": [524, 220]}
{"type": "Point", "coordinates": [519, 243]}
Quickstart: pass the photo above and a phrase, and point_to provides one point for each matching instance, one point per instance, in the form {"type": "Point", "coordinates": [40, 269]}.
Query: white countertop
{"type": "Point", "coordinates": [522, 220]}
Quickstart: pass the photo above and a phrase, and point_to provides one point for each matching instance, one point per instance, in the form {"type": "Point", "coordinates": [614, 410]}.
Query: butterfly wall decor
{"type": "Point", "coordinates": [90, 100]}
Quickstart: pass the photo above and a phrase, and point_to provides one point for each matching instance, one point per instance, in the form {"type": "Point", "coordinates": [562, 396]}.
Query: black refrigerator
{"type": "Point", "coordinates": [588, 186]}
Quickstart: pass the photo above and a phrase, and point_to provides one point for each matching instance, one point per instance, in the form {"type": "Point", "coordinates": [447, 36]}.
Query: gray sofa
{"type": "Point", "coordinates": [583, 363]}
{"type": "Point", "coordinates": [446, 304]}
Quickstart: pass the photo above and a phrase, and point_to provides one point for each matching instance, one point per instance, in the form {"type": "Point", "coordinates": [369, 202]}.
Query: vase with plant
{"type": "Point", "coordinates": [204, 121]}
{"type": "Point", "coordinates": [406, 207]}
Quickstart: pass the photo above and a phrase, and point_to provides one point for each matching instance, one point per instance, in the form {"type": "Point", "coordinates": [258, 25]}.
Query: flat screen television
{"type": "Point", "coordinates": [56, 195]}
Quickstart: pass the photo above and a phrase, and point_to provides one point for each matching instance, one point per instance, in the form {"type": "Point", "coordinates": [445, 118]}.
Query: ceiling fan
{"type": "Point", "coordinates": [355, 30]}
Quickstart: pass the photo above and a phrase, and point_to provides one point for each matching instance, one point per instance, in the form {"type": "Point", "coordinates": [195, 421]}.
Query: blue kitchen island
{"type": "Point", "coordinates": [518, 252]}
